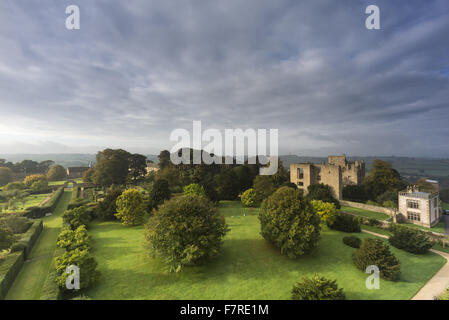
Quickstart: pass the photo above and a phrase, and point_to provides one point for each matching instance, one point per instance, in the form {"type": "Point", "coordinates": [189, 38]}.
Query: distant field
{"type": "Point", "coordinates": [365, 213]}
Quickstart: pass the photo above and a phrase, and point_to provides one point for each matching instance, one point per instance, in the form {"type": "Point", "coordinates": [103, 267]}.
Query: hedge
{"type": "Point", "coordinates": [9, 269]}
{"type": "Point", "coordinates": [50, 290]}
{"type": "Point", "coordinates": [28, 239]}
{"type": "Point", "coordinates": [49, 206]}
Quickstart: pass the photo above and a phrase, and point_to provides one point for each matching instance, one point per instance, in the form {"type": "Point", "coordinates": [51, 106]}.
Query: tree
{"type": "Point", "coordinates": [381, 178]}
{"type": "Point", "coordinates": [194, 189]}
{"type": "Point", "coordinates": [249, 198]}
{"type": "Point", "coordinates": [281, 176]}
{"type": "Point", "coordinates": [137, 166]}
{"type": "Point", "coordinates": [388, 196]}
{"type": "Point", "coordinates": [344, 222]}
{"type": "Point", "coordinates": [56, 173]}
{"type": "Point", "coordinates": [411, 240]}
{"type": "Point", "coordinates": [158, 194]}
{"type": "Point", "coordinates": [107, 208]}
{"type": "Point", "coordinates": [426, 186]}
{"type": "Point", "coordinates": [290, 222]}
{"type": "Point", "coordinates": [44, 166]}
{"type": "Point", "coordinates": [29, 180]}
{"type": "Point", "coordinates": [376, 252]}
{"type": "Point", "coordinates": [6, 176]}
{"type": "Point", "coordinates": [245, 177]}
{"type": "Point", "coordinates": [264, 187]}
{"type": "Point", "coordinates": [76, 217]}
{"type": "Point", "coordinates": [322, 192]}
{"type": "Point", "coordinates": [326, 210]}
{"type": "Point", "coordinates": [227, 184]}
{"type": "Point", "coordinates": [130, 207]}
{"type": "Point", "coordinates": [355, 193]}
{"type": "Point", "coordinates": [185, 231]}
{"type": "Point", "coordinates": [164, 159]}
{"type": "Point", "coordinates": [14, 186]}
{"type": "Point", "coordinates": [112, 167]}
{"type": "Point", "coordinates": [70, 239]}
{"type": "Point", "coordinates": [317, 288]}
{"type": "Point", "coordinates": [88, 174]}
{"type": "Point", "coordinates": [84, 261]}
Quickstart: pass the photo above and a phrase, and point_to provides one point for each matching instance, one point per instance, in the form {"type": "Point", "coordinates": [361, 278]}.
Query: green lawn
{"type": "Point", "coordinates": [365, 213]}
{"type": "Point", "coordinates": [249, 267]}
{"type": "Point", "coordinates": [439, 227]}
{"type": "Point", "coordinates": [29, 282]}
{"type": "Point", "coordinates": [57, 183]}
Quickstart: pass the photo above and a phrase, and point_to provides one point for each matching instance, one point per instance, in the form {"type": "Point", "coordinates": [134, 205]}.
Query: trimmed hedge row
{"type": "Point", "coordinates": [38, 212]}
{"type": "Point", "coordinates": [50, 290]}
{"type": "Point", "coordinates": [9, 269]}
{"type": "Point", "coordinates": [28, 239]}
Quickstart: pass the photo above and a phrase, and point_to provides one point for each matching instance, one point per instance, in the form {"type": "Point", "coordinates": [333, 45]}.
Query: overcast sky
{"type": "Point", "coordinates": [136, 70]}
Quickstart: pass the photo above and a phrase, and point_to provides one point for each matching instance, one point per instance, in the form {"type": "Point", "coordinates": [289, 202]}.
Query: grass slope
{"type": "Point", "coordinates": [365, 213]}
{"type": "Point", "coordinates": [29, 281]}
{"type": "Point", "coordinates": [249, 267]}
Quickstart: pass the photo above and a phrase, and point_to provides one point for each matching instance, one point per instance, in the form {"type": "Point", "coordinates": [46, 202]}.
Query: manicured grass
{"type": "Point", "coordinates": [439, 227]}
{"type": "Point", "coordinates": [365, 213]}
{"type": "Point", "coordinates": [248, 268]}
{"type": "Point", "coordinates": [29, 281]}
{"type": "Point", "coordinates": [56, 183]}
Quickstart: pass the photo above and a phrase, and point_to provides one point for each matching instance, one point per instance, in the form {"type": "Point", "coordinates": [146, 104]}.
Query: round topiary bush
{"type": "Point", "coordinates": [344, 222]}
{"type": "Point", "coordinates": [184, 231]}
{"type": "Point", "coordinates": [317, 288]}
{"type": "Point", "coordinates": [376, 252]}
{"type": "Point", "coordinates": [194, 189]}
{"type": "Point", "coordinates": [290, 222]}
{"type": "Point", "coordinates": [352, 241]}
{"type": "Point", "coordinates": [249, 198]}
{"type": "Point", "coordinates": [411, 240]}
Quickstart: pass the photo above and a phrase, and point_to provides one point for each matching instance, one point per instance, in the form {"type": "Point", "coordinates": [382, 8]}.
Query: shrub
{"type": "Point", "coordinates": [73, 239]}
{"type": "Point", "coordinates": [326, 210]}
{"type": "Point", "coordinates": [14, 186]}
{"type": "Point", "coordinates": [352, 241]}
{"type": "Point", "coordinates": [389, 204]}
{"type": "Point", "coordinates": [76, 217]}
{"type": "Point", "coordinates": [107, 208]}
{"type": "Point", "coordinates": [159, 192]}
{"type": "Point", "coordinates": [29, 180]}
{"type": "Point", "coordinates": [372, 203]}
{"type": "Point", "coordinates": [374, 222]}
{"type": "Point", "coordinates": [28, 239]}
{"type": "Point", "coordinates": [322, 192]}
{"type": "Point", "coordinates": [444, 295]}
{"type": "Point", "coordinates": [317, 288]}
{"type": "Point", "coordinates": [39, 186]}
{"type": "Point", "coordinates": [84, 261]}
{"type": "Point", "coordinates": [249, 198]}
{"type": "Point", "coordinates": [264, 187]}
{"type": "Point", "coordinates": [184, 231]}
{"type": "Point", "coordinates": [376, 252]}
{"type": "Point", "coordinates": [6, 237]}
{"type": "Point", "coordinates": [290, 222]}
{"type": "Point", "coordinates": [56, 172]}
{"type": "Point", "coordinates": [16, 223]}
{"type": "Point", "coordinates": [194, 189]}
{"type": "Point", "coordinates": [411, 240]}
{"type": "Point", "coordinates": [130, 207]}
{"type": "Point", "coordinates": [354, 193]}
{"type": "Point", "coordinates": [345, 223]}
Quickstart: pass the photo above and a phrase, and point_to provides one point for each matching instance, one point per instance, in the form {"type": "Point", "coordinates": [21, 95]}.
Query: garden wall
{"type": "Point", "coordinates": [368, 207]}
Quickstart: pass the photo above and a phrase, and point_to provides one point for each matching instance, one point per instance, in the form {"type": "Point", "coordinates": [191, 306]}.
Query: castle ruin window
{"type": "Point", "coordinates": [300, 173]}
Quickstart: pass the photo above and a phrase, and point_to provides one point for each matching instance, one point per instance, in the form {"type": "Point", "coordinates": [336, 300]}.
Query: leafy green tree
{"type": "Point", "coordinates": [290, 222]}
{"type": "Point", "coordinates": [245, 177]}
{"type": "Point", "coordinates": [317, 288]}
{"type": "Point", "coordinates": [185, 231]}
{"type": "Point", "coordinates": [426, 186]}
{"type": "Point", "coordinates": [194, 189]}
{"type": "Point", "coordinates": [164, 159]}
{"type": "Point", "coordinates": [6, 176]}
{"type": "Point", "coordinates": [411, 240]}
{"type": "Point", "coordinates": [344, 222]}
{"type": "Point", "coordinates": [281, 176]}
{"type": "Point", "coordinates": [14, 186]}
{"type": "Point", "coordinates": [107, 208]}
{"type": "Point", "coordinates": [159, 192]}
{"type": "Point", "coordinates": [382, 177]}
{"type": "Point", "coordinates": [249, 198]}
{"type": "Point", "coordinates": [388, 196]}
{"type": "Point", "coordinates": [7, 237]}
{"type": "Point", "coordinates": [131, 207]}
{"type": "Point", "coordinates": [326, 210]}
{"type": "Point", "coordinates": [376, 252]}
{"type": "Point", "coordinates": [322, 192]}
{"type": "Point", "coordinates": [56, 173]}
{"type": "Point", "coordinates": [84, 261]}
{"type": "Point", "coordinates": [112, 167]}
{"type": "Point", "coordinates": [39, 185]}
{"type": "Point", "coordinates": [88, 175]}
{"type": "Point", "coordinates": [70, 239]}
{"type": "Point", "coordinates": [264, 187]}
{"type": "Point", "coordinates": [354, 193]}
{"type": "Point", "coordinates": [227, 184]}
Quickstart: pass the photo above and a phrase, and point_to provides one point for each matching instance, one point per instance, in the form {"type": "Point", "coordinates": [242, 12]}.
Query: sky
{"type": "Point", "coordinates": [137, 70]}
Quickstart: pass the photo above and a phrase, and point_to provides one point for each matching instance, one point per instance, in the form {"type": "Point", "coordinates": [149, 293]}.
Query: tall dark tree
{"type": "Point", "coordinates": [322, 192]}
{"type": "Point", "coordinates": [137, 166]}
{"type": "Point", "coordinates": [227, 184]}
{"type": "Point", "coordinates": [382, 177]}
{"type": "Point", "coordinates": [164, 159]}
{"type": "Point", "coordinates": [112, 167]}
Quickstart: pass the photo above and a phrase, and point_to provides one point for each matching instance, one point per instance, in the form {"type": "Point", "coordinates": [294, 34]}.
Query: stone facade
{"type": "Point", "coordinates": [76, 172]}
{"type": "Point", "coordinates": [337, 173]}
{"type": "Point", "coordinates": [422, 208]}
